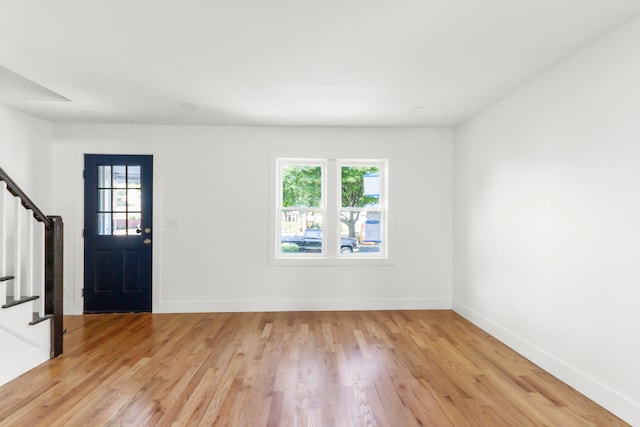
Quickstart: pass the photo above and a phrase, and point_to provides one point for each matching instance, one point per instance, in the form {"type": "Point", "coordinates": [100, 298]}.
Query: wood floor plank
{"type": "Point", "coordinates": [378, 368]}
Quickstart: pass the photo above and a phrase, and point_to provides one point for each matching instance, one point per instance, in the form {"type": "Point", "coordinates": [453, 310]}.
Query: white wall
{"type": "Point", "coordinates": [547, 221]}
{"type": "Point", "coordinates": [214, 181]}
{"type": "Point", "coordinates": [25, 154]}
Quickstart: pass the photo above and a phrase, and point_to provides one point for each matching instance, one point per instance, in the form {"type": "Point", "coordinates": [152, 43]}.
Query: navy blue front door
{"type": "Point", "coordinates": [117, 233]}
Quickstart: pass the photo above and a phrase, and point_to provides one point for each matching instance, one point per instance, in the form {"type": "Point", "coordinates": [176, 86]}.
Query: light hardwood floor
{"type": "Point", "coordinates": [378, 368]}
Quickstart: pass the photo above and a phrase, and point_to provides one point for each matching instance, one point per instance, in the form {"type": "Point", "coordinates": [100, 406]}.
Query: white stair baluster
{"type": "Point", "coordinates": [3, 230]}
{"type": "Point", "coordinates": [3, 243]}
{"type": "Point", "coordinates": [40, 266]}
{"type": "Point", "coordinates": [30, 252]}
{"type": "Point", "coordinates": [18, 250]}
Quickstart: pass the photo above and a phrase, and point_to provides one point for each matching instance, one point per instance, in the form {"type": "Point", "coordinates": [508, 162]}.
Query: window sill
{"type": "Point", "coordinates": [330, 262]}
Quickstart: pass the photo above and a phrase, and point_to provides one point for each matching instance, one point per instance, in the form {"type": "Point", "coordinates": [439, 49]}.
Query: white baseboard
{"type": "Point", "coordinates": [217, 306]}
{"type": "Point", "coordinates": [620, 405]}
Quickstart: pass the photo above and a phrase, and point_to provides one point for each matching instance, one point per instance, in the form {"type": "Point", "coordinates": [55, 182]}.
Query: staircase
{"type": "Point", "coordinates": [30, 283]}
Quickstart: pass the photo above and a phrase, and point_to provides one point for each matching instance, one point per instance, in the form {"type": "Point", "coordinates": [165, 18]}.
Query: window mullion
{"type": "Point", "coordinates": [332, 216]}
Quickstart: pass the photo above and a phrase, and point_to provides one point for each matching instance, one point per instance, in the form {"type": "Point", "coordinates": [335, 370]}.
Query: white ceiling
{"type": "Point", "coordinates": [285, 62]}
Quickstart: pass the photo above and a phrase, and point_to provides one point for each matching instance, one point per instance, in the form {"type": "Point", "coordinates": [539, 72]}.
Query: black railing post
{"type": "Point", "coordinates": [54, 286]}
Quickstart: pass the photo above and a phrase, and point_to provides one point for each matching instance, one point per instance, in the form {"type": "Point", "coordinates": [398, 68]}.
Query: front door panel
{"type": "Point", "coordinates": [118, 233]}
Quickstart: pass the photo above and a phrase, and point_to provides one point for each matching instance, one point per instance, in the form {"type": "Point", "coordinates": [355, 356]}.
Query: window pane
{"type": "Point", "coordinates": [365, 227]}
{"type": "Point", "coordinates": [104, 176]}
{"type": "Point", "coordinates": [104, 224]}
{"type": "Point", "coordinates": [120, 200]}
{"type": "Point", "coordinates": [360, 186]}
{"type": "Point", "coordinates": [104, 200]}
{"type": "Point", "coordinates": [119, 224]}
{"type": "Point", "coordinates": [301, 231]}
{"type": "Point", "coordinates": [134, 200]}
{"type": "Point", "coordinates": [134, 223]}
{"type": "Point", "coordinates": [119, 176]}
{"type": "Point", "coordinates": [133, 177]}
{"type": "Point", "coordinates": [302, 186]}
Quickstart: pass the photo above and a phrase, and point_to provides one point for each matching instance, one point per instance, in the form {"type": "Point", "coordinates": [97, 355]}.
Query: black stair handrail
{"type": "Point", "coordinates": [53, 263]}
{"type": "Point", "coordinates": [16, 191]}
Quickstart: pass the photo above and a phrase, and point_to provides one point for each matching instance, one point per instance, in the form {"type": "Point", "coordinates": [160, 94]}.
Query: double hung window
{"type": "Point", "coordinates": [331, 209]}
{"type": "Point", "coordinates": [302, 206]}
{"type": "Point", "coordinates": [361, 204]}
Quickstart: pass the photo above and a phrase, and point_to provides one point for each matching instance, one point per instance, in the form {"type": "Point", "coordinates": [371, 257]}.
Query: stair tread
{"type": "Point", "coordinates": [37, 318]}
{"type": "Point", "coordinates": [11, 301]}
{"type": "Point", "coordinates": [5, 278]}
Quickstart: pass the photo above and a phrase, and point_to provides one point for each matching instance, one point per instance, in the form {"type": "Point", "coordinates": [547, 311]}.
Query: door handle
{"type": "Point", "coordinates": [147, 241]}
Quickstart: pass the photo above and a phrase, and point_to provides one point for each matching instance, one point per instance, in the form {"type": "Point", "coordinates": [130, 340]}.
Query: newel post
{"type": "Point", "coordinates": [54, 286]}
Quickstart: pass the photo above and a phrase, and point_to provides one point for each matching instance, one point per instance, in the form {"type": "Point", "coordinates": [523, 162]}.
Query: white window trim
{"type": "Point", "coordinates": [331, 215]}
